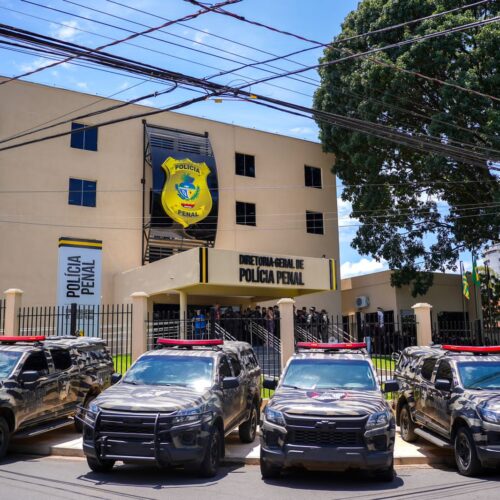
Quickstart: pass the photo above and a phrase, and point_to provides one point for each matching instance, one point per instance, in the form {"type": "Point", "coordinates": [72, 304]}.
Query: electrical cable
{"type": "Point", "coordinates": [130, 37]}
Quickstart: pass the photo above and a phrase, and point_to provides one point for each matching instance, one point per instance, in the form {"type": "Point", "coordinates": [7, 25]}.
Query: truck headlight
{"type": "Point", "coordinates": [489, 413]}
{"type": "Point", "coordinates": [187, 416]}
{"type": "Point", "coordinates": [378, 420]}
{"type": "Point", "coordinates": [274, 416]}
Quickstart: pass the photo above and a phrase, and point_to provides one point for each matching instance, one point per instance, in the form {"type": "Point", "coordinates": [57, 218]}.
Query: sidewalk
{"type": "Point", "coordinates": [66, 442]}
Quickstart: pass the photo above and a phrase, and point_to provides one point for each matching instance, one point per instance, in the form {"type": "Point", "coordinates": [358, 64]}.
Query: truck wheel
{"type": "Point", "coordinates": [269, 471]}
{"type": "Point", "coordinates": [4, 437]}
{"type": "Point", "coordinates": [385, 475]}
{"type": "Point", "coordinates": [407, 427]}
{"type": "Point", "coordinates": [210, 464]}
{"type": "Point", "coordinates": [465, 453]}
{"type": "Point", "coordinates": [99, 465]}
{"type": "Point", "coordinates": [248, 429]}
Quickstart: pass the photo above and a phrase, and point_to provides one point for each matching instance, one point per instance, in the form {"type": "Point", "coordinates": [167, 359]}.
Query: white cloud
{"type": "Point", "coordinates": [302, 130]}
{"type": "Point", "coordinates": [82, 85]}
{"type": "Point", "coordinates": [35, 64]}
{"type": "Point", "coordinates": [200, 36]}
{"type": "Point", "coordinates": [364, 266]}
{"type": "Point", "coordinates": [66, 32]}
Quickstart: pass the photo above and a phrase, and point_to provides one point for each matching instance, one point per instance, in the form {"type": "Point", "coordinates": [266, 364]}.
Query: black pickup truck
{"type": "Point", "coordinates": [44, 380]}
{"type": "Point", "coordinates": [450, 396]}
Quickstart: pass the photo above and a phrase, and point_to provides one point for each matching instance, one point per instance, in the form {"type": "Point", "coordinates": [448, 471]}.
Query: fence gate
{"type": "Point", "coordinates": [112, 323]}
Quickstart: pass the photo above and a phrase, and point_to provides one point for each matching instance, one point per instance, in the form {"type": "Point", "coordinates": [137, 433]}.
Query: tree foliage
{"type": "Point", "coordinates": [417, 210]}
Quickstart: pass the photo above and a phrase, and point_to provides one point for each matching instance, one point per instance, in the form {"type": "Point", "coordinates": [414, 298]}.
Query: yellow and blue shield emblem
{"type": "Point", "coordinates": [186, 197]}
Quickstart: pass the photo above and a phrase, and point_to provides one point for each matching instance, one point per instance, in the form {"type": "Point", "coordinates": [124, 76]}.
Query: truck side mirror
{"type": "Point", "coordinates": [442, 384]}
{"type": "Point", "coordinates": [391, 386]}
{"type": "Point", "coordinates": [230, 383]}
{"type": "Point", "coordinates": [115, 378]}
{"type": "Point", "coordinates": [270, 383]}
{"type": "Point", "coordinates": [29, 376]}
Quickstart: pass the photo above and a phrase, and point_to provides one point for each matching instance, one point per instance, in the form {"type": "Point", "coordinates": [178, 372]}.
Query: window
{"type": "Point", "coordinates": [85, 139]}
{"type": "Point", "coordinates": [224, 368]}
{"type": "Point", "coordinates": [427, 368]}
{"type": "Point", "coordinates": [245, 165]}
{"type": "Point", "coordinates": [313, 177]}
{"type": "Point", "coordinates": [36, 362]}
{"type": "Point", "coordinates": [444, 371]}
{"type": "Point", "coordinates": [61, 359]}
{"type": "Point", "coordinates": [314, 221]}
{"type": "Point", "coordinates": [236, 365]}
{"type": "Point", "coordinates": [82, 192]}
{"type": "Point", "coordinates": [245, 213]}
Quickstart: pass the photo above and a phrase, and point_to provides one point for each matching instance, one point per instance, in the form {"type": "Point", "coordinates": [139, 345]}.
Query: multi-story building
{"type": "Point", "coordinates": [91, 216]}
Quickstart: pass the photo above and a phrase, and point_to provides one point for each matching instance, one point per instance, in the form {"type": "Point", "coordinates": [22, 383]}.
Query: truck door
{"type": "Point", "coordinates": [240, 400]}
{"type": "Point", "coordinates": [228, 395]}
{"type": "Point", "coordinates": [67, 380]}
{"type": "Point", "coordinates": [422, 387]}
{"type": "Point", "coordinates": [440, 400]}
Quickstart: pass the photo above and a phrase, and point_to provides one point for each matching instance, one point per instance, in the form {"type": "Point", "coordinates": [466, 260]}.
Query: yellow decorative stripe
{"type": "Point", "coordinates": [72, 243]}
{"type": "Point", "coordinates": [204, 265]}
{"type": "Point", "coordinates": [333, 272]}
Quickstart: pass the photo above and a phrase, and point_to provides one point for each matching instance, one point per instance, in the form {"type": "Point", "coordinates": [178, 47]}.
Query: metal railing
{"type": "Point", "coordinates": [466, 333]}
{"type": "Point", "coordinates": [2, 316]}
{"type": "Point", "coordinates": [112, 323]}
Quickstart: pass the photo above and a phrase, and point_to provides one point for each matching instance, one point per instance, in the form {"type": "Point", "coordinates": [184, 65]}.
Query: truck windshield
{"type": "Point", "coordinates": [8, 360]}
{"type": "Point", "coordinates": [194, 371]}
{"type": "Point", "coordinates": [330, 374]}
{"type": "Point", "coordinates": [479, 375]}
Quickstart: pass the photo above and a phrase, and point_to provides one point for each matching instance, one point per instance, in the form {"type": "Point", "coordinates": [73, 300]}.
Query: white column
{"type": "Point", "coordinates": [139, 324]}
{"type": "Point", "coordinates": [287, 330]}
{"type": "Point", "coordinates": [13, 302]}
{"type": "Point", "coordinates": [183, 313]}
{"type": "Point", "coordinates": [424, 325]}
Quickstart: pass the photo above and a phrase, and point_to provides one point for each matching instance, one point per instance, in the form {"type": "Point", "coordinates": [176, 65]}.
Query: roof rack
{"type": "Point", "coordinates": [189, 344]}
{"type": "Point", "coordinates": [477, 350]}
{"type": "Point", "coordinates": [351, 346]}
{"type": "Point", "coordinates": [26, 338]}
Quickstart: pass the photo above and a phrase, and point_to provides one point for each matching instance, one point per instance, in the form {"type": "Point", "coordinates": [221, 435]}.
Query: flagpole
{"type": "Point", "coordinates": [462, 292]}
{"type": "Point", "coordinates": [476, 323]}
{"type": "Point", "coordinates": [488, 298]}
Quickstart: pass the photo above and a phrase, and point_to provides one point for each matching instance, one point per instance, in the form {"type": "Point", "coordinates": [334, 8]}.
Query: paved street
{"type": "Point", "coordinates": [25, 477]}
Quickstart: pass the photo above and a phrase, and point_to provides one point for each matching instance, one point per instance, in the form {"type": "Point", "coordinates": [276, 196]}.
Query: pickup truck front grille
{"type": "Point", "coordinates": [134, 424]}
{"type": "Point", "coordinates": [314, 437]}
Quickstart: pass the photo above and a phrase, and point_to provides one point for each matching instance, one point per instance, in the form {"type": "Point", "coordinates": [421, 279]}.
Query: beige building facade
{"type": "Point", "coordinates": [362, 295]}
{"type": "Point", "coordinates": [36, 213]}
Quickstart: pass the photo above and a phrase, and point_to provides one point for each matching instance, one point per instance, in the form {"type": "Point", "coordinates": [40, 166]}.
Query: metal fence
{"type": "Point", "coordinates": [2, 316]}
{"type": "Point", "coordinates": [466, 333]}
{"type": "Point", "coordinates": [112, 323]}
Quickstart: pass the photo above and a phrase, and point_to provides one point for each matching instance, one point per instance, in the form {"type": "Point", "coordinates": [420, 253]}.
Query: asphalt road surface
{"type": "Point", "coordinates": [35, 478]}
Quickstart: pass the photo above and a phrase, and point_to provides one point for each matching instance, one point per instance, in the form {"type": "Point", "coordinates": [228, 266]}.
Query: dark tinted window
{"type": "Point", "coordinates": [427, 368]}
{"type": "Point", "coordinates": [37, 362]}
{"type": "Point", "coordinates": [83, 139]}
{"type": "Point", "coordinates": [444, 371]}
{"type": "Point", "coordinates": [245, 213]}
{"type": "Point", "coordinates": [312, 176]}
{"type": "Point", "coordinates": [61, 359]}
{"type": "Point", "coordinates": [224, 368]}
{"type": "Point", "coordinates": [245, 165]}
{"type": "Point", "coordinates": [82, 192]}
{"type": "Point", "coordinates": [314, 221]}
{"type": "Point", "coordinates": [236, 365]}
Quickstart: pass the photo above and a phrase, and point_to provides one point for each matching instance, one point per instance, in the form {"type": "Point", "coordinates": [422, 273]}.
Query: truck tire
{"type": "Point", "coordinates": [99, 465]}
{"type": "Point", "coordinates": [468, 463]}
{"type": "Point", "coordinates": [406, 425]}
{"type": "Point", "coordinates": [269, 471]}
{"type": "Point", "coordinates": [4, 437]}
{"type": "Point", "coordinates": [248, 429]}
{"type": "Point", "coordinates": [210, 463]}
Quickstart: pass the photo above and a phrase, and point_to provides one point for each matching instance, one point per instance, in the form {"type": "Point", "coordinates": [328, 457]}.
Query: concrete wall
{"type": "Point", "coordinates": [36, 212]}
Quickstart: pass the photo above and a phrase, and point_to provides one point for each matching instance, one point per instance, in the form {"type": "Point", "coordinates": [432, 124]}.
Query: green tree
{"type": "Point", "coordinates": [490, 297]}
{"type": "Point", "coordinates": [397, 193]}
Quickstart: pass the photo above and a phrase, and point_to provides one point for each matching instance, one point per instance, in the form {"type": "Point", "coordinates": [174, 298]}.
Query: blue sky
{"type": "Point", "coordinates": [177, 48]}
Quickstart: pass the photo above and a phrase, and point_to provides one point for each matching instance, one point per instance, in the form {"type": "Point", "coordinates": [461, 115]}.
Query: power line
{"type": "Point", "coordinates": [358, 54]}
{"type": "Point", "coordinates": [130, 37]}
{"type": "Point", "coordinates": [415, 140]}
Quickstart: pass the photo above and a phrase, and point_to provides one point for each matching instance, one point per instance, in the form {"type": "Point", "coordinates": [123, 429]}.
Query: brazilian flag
{"type": "Point", "coordinates": [475, 274]}
{"type": "Point", "coordinates": [465, 286]}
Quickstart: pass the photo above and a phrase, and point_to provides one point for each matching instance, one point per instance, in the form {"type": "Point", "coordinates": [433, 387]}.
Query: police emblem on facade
{"type": "Point", "coordinates": [186, 197]}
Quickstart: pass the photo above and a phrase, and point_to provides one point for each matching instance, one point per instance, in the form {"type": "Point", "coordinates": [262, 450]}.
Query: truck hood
{"type": "Point", "coordinates": [327, 402]}
{"type": "Point", "coordinates": [147, 398]}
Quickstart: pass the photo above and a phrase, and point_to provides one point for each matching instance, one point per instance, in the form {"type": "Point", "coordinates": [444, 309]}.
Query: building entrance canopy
{"type": "Point", "coordinates": [228, 273]}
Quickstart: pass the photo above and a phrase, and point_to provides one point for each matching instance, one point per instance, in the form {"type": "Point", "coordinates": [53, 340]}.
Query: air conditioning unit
{"type": "Point", "coordinates": [362, 301]}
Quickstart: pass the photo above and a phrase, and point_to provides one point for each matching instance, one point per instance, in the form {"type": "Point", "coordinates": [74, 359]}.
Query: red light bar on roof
{"type": "Point", "coordinates": [317, 345]}
{"type": "Point", "coordinates": [190, 343]}
{"type": "Point", "coordinates": [472, 348]}
{"type": "Point", "coordinates": [32, 338]}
